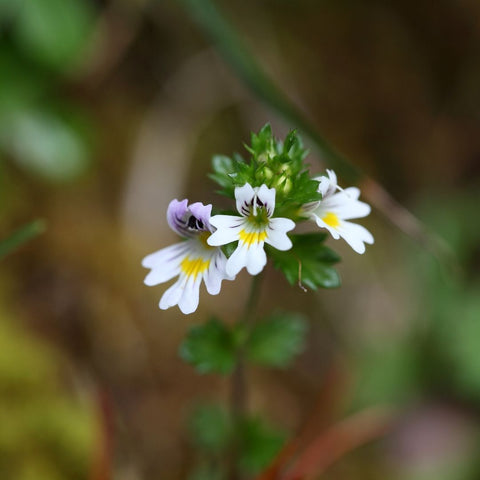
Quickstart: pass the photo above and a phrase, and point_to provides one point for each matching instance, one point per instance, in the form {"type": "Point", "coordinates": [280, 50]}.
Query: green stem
{"type": "Point", "coordinates": [239, 391]}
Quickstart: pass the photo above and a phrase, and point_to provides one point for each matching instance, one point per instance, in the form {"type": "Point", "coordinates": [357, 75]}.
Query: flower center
{"type": "Point", "coordinates": [202, 237]}
{"type": "Point", "coordinates": [250, 238]}
{"type": "Point", "coordinates": [194, 267]}
{"type": "Point", "coordinates": [258, 217]}
{"type": "Point", "coordinates": [331, 220]}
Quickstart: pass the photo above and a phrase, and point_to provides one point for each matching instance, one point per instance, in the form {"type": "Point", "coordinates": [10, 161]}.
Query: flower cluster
{"type": "Point", "coordinates": [272, 193]}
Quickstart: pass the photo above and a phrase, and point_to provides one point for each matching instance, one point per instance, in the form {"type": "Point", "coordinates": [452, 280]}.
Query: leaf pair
{"type": "Point", "coordinates": [214, 432]}
{"type": "Point", "coordinates": [275, 341]}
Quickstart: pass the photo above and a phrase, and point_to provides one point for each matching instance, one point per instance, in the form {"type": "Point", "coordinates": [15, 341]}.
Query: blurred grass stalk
{"type": "Point", "coordinates": [21, 236]}
{"type": "Point", "coordinates": [228, 42]}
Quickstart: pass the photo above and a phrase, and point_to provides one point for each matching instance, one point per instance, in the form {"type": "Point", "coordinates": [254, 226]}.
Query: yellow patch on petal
{"type": "Point", "coordinates": [194, 267]}
{"type": "Point", "coordinates": [252, 237]}
{"type": "Point", "coordinates": [331, 220]}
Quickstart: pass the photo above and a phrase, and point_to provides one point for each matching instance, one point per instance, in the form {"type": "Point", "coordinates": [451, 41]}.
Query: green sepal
{"type": "Point", "coordinates": [308, 263]}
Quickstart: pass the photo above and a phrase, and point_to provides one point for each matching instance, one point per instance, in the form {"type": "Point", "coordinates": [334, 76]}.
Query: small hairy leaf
{"type": "Point", "coordinates": [308, 262]}
{"type": "Point", "coordinates": [210, 428]}
{"type": "Point", "coordinates": [277, 340]}
{"type": "Point", "coordinates": [210, 348]}
{"type": "Point", "coordinates": [259, 444]}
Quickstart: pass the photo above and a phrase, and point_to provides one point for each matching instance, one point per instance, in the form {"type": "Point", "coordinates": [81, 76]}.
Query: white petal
{"type": "Point", "coordinates": [343, 206]}
{"type": "Point", "coordinates": [276, 233]}
{"type": "Point", "coordinates": [215, 273]}
{"type": "Point", "coordinates": [158, 258]}
{"type": "Point", "coordinates": [228, 227]}
{"type": "Point", "coordinates": [165, 263]}
{"type": "Point", "coordinates": [226, 221]}
{"type": "Point", "coordinates": [322, 224]}
{"type": "Point", "coordinates": [161, 275]}
{"type": "Point", "coordinates": [172, 296]}
{"type": "Point", "coordinates": [355, 209]}
{"type": "Point", "coordinates": [355, 235]}
{"type": "Point", "coordinates": [188, 302]}
{"type": "Point", "coordinates": [352, 192]}
{"type": "Point", "coordinates": [327, 185]}
{"type": "Point", "coordinates": [237, 260]}
{"type": "Point", "coordinates": [244, 196]}
{"type": "Point", "coordinates": [267, 197]}
{"type": "Point", "coordinates": [256, 258]}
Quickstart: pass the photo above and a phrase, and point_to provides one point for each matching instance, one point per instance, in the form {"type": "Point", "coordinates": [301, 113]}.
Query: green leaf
{"type": "Point", "coordinates": [210, 348]}
{"type": "Point", "coordinates": [210, 428]}
{"type": "Point", "coordinates": [263, 144]}
{"type": "Point", "coordinates": [21, 236]}
{"type": "Point", "coordinates": [21, 85]}
{"type": "Point", "coordinates": [277, 340]}
{"type": "Point", "coordinates": [259, 445]}
{"type": "Point", "coordinates": [54, 32]}
{"type": "Point", "coordinates": [223, 168]}
{"type": "Point", "coordinates": [308, 262]}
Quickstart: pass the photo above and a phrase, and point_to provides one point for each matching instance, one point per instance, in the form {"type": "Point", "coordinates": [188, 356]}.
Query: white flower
{"type": "Point", "coordinates": [252, 229]}
{"type": "Point", "coordinates": [193, 260]}
{"type": "Point", "coordinates": [336, 207]}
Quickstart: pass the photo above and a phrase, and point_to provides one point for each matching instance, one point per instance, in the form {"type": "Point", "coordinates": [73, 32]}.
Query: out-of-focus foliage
{"type": "Point", "coordinates": [41, 40]}
{"type": "Point", "coordinates": [211, 428]}
{"type": "Point", "coordinates": [44, 434]}
{"type": "Point", "coordinates": [20, 236]}
{"type": "Point", "coordinates": [259, 444]}
{"type": "Point", "coordinates": [53, 33]}
{"type": "Point", "coordinates": [212, 432]}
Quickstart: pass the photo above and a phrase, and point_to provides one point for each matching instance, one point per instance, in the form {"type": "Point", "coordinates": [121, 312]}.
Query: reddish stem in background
{"type": "Point", "coordinates": [340, 439]}
{"type": "Point", "coordinates": [102, 464]}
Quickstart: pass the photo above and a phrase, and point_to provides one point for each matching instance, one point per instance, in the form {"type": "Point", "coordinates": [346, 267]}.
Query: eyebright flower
{"type": "Point", "coordinates": [192, 260]}
{"type": "Point", "coordinates": [336, 207]}
{"type": "Point", "coordinates": [252, 229]}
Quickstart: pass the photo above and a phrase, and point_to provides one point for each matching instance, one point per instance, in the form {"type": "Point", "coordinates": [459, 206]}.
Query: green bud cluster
{"type": "Point", "coordinates": [277, 164]}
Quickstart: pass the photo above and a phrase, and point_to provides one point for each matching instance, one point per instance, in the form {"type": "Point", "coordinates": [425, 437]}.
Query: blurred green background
{"type": "Point", "coordinates": [109, 109]}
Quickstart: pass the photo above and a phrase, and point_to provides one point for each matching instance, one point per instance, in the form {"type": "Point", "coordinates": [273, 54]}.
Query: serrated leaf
{"type": "Point", "coordinates": [210, 428]}
{"type": "Point", "coordinates": [277, 340]}
{"type": "Point", "coordinates": [210, 348]}
{"type": "Point", "coordinates": [308, 262]}
{"type": "Point", "coordinates": [223, 167]}
{"type": "Point", "coordinates": [259, 444]}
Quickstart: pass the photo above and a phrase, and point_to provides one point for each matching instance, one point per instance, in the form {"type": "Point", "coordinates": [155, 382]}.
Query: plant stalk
{"type": "Point", "coordinates": [239, 391]}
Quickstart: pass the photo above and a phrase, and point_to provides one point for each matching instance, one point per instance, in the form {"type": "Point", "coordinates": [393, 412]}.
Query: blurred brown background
{"type": "Point", "coordinates": [109, 109]}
